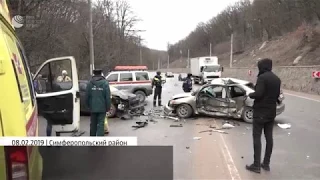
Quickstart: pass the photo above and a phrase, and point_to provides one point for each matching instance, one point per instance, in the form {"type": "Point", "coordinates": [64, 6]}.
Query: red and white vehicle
{"type": "Point", "coordinates": [134, 79]}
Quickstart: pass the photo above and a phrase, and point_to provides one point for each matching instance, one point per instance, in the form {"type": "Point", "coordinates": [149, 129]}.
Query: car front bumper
{"type": "Point", "coordinates": [168, 110]}
{"type": "Point", "coordinates": [281, 108]}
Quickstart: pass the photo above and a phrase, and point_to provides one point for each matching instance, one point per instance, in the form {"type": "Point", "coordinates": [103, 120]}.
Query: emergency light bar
{"type": "Point", "coordinates": [128, 68]}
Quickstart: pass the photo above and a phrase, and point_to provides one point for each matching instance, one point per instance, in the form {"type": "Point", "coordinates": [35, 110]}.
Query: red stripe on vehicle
{"type": "Point", "coordinates": [130, 82]}
{"type": "Point", "coordinates": [31, 127]}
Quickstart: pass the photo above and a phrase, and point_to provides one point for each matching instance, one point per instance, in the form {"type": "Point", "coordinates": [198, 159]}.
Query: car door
{"type": "Point", "coordinates": [213, 100]}
{"type": "Point", "coordinates": [83, 106]}
{"type": "Point", "coordinates": [59, 101]}
{"type": "Point", "coordinates": [237, 96]}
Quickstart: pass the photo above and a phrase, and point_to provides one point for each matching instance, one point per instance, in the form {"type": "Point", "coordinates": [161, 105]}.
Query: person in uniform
{"type": "Point", "coordinates": [99, 101]}
{"type": "Point", "coordinates": [157, 83]}
{"type": "Point", "coordinates": [187, 84]}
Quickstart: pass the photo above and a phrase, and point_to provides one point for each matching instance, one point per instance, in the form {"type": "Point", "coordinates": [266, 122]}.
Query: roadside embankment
{"type": "Point", "coordinates": [295, 78]}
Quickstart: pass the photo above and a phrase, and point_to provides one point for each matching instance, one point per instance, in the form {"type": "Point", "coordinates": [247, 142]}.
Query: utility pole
{"type": "Point", "coordinates": [188, 60]}
{"type": "Point", "coordinates": [140, 50]}
{"type": "Point", "coordinates": [231, 50]}
{"type": "Point", "coordinates": [20, 7]}
{"type": "Point", "coordinates": [140, 44]}
{"type": "Point", "coordinates": [210, 49]}
{"type": "Point", "coordinates": [91, 39]}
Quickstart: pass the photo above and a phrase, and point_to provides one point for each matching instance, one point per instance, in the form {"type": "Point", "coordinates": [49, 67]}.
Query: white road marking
{"type": "Point", "coordinates": [233, 171]}
{"type": "Point", "coordinates": [303, 97]}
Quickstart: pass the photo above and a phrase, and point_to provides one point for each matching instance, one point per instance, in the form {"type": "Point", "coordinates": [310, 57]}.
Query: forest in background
{"type": "Point", "coordinates": [252, 23]}
{"type": "Point", "coordinates": [55, 28]}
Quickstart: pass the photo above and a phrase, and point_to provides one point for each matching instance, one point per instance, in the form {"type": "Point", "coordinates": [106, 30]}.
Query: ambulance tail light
{"type": "Point", "coordinates": [17, 162]}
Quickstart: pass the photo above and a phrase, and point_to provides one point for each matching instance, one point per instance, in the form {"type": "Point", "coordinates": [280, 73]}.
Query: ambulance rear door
{"type": "Point", "coordinates": [58, 95]}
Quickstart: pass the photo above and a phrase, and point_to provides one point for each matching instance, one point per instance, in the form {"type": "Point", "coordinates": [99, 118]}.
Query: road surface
{"type": "Point", "coordinates": [216, 155]}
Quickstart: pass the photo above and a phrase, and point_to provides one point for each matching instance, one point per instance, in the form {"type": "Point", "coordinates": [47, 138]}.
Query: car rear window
{"type": "Point", "coordinates": [126, 77]}
{"type": "Point", "coordinates": [142, 76]}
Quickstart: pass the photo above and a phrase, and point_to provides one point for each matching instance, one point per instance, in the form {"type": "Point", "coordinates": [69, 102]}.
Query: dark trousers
{"type": "Point", "coordinates": [157, 94]}
{"type": "Point", "coordinates": [267, 127]}
{"type": "Point", "coordinates": [49, 128]}
{"type": "Point", "coordinates": [97, 124]}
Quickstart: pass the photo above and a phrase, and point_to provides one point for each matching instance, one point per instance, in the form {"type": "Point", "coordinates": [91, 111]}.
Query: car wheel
{"type": "Point", "coordinates": [247, 114]}
{"type": "Point", "coordinates": [141, 96]}
{"type": "Point", "coordinates": [112, 112]}
{"type": "Point", "coordinates": [184, 111]}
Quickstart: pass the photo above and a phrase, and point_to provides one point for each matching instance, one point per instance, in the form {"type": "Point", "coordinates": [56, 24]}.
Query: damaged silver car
{"type": "Point", "coordinates": [227, 97]}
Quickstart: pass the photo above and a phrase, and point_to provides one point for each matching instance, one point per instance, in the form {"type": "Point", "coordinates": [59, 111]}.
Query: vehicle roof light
{"type": "Point", "coordinates": [126, 68]}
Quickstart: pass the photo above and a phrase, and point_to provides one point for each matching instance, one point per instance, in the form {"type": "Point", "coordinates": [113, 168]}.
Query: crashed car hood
{"type": "Point", "coordinates": [182, 95]}
{"type": "Point", "coordinates": [122, 94]}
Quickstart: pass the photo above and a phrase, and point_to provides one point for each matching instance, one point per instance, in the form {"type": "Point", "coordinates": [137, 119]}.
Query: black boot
{"type": "Point", "coordinates": [266, 167]}
{"type": "Point", "coordinates": [253, 168]}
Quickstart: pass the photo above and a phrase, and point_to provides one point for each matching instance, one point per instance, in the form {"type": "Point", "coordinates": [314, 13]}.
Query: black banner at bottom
{"type": "Point", "coordinates": [100, 163]}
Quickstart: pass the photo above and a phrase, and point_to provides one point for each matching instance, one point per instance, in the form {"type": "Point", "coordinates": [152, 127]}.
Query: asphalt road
{"type": "Point", "coordinates": [216, 155]}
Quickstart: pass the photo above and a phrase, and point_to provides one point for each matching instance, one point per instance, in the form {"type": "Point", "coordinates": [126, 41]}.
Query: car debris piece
{"type": "Point", "coordinates": [213, 127]}
{"type": "Point", "coordinates": [284, 126]}
{"type": "Point", "coordinates": [206, 131]}
{"type": "Point", "coordinates": [227, 126]}
{"type": "Point", "coordinates": [140, 124]}
{"type": "Point", "coordinates": [176, 125]}
{"type": "Point", "coordinates": [214, 130]}
{"type": "Point", "coordinates": [197, 138]}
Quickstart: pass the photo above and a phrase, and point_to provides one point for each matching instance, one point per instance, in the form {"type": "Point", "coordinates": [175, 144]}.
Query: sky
{"type": "Point", "coordinates": [172, 20]}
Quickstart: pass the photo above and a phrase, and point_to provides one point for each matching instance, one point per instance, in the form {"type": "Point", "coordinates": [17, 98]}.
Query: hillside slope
{"type": "Point", "coordinates": [301, 47]}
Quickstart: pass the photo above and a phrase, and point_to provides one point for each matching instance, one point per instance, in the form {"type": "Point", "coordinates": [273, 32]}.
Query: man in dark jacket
{"type": "Point", "coordinates": [99, 101]}
{"type": "Point", "coordinates": [157, 83]}
{"type": "Point", "coordinates": [187, 84]}
{"type": "Point", "coordinates": [267, 91]}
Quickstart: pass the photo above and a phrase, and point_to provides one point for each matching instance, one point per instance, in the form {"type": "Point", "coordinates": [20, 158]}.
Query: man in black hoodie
{"type": "Point", "coordinates": [99, 101]}
{"type": "Point", "coordinates": [267, 91]}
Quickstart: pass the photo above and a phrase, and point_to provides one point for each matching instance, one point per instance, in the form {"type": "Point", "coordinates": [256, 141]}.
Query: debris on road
{"type": "Point", "coordinates": [140, 124]}
{"type": "Point", "coordinates": [205, 131]}
{"type": "Point", "coordinates": [213, 127]}
{"type": "Point", "coordinates": [176, 125]}
{"type": "Point", "coordinates": [284, 126]}
{"type": "Point", "coordinates": [187, 147]}
{"type": "Point", "coordinates": [227, 126]}
{"type": "Point", "coordinates": [214, 130]}
{"type": "Point", "coordinates": [308, 157]}
{"type": "Point", "coordinates": [197, 138]}
{"type": "Point", "coordinates": [232, 123]}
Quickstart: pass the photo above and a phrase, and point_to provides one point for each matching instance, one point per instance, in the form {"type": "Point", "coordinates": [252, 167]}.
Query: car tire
{"type": "Point", "coordinates": [112, 112]}
{"type": "Point", "coordinates": [247, 114]}
{"type": "Point", "coordinates": [184, 111]}
{"type": "Point", "coordinates": [141, 95]}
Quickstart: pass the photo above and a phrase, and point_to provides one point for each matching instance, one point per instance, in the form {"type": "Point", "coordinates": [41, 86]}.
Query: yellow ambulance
{"type": "Point", "coordinates": [21, 97]}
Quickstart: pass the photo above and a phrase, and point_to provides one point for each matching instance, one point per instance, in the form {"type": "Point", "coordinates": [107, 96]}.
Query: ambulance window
{"type": "Point", "coordinates": [112, 78]}
{"type": "Point", "coordinates": [54, 77]}
{"type": "Point", "coordinates": [28, 73]}
{"type": "Point", "coordinates": [126, 77]}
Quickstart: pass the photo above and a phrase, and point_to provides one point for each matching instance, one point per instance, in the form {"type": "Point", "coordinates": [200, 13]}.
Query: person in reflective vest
{"type": "Point", "coordinates": [157, 83]}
